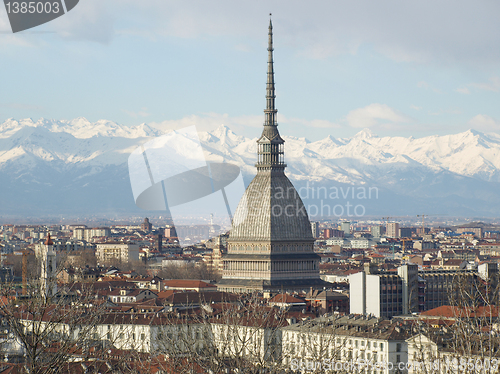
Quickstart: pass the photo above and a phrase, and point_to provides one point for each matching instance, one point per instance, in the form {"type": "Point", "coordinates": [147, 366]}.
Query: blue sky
{"type": "Point", "coordinates": [398, 68]}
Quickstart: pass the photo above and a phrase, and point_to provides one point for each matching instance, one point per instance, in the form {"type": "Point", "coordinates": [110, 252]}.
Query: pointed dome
{"type": "Point", "coordinates": [271, 208]}
{"type": "Point", "coordinates": [49, 240]}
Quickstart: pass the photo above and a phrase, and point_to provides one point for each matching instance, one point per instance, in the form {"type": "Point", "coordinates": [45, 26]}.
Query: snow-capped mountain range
{"type": "Point", "coordinates": [79, 167]}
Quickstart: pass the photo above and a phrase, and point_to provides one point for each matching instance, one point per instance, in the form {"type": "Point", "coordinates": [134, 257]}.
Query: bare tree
{"type": "Point", "coordinates": [225, 337]}
{"type": "Point", "coordinates": [49, 330]}
{"type": "Point", "coordinates": [190, 271]}
{"type": "Point", "coordinates": [466, 340]}
{"type": "Point", "coordinates": [49, 325]}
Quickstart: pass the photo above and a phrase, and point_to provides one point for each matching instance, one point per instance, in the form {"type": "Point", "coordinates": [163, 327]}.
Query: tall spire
{"type": "Point", "coordinates": [270, 91]}
{"type": "Point", "coordinates": [270, 145]}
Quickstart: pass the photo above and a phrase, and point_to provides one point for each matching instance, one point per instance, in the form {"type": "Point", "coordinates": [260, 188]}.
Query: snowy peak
{"type": "Point", "coordinates": [226, 136]}
{"type": "Point", "coordinates": [80, 159]}
{"type": "Point", "coordinates": [366, 133]}
{"type": "Point", "coordinates": [80, 128]}
{"type": "Point", "coordinates": [470, 153]}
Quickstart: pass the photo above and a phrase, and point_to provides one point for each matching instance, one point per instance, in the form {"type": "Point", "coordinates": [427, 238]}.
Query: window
{"type": "Point", "coordinates": [381, 345]}
{"type": "Point", "coordinates": [398, 347]}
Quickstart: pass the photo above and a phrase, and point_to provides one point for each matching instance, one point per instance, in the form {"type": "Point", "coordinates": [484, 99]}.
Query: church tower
{"type": "Point", "coordinates": [49, 268]}
{"type": "Point", "coordinates": [270, 246]}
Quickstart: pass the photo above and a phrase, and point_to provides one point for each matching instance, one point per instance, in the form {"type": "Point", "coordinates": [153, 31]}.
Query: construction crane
{"type": "Point", "coordinates": [404, 240]}
{"type": "Point", "coordinates": [386, 222]}
{"type": "Point", "coordinates": [386, 219]}
{"type": "Point", "coordinates": [423, 221]}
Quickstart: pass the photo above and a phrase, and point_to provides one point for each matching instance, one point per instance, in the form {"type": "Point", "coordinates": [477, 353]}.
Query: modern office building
{"type": "Point", "coordinates": [408, 290]}
{"type": "Point", "coordinates": [345, 227]}
{"type": "Point", "coordinates": [376, 231]}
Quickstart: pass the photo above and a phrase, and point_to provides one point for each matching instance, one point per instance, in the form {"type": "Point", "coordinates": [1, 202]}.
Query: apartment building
{"type": "Point", "coordinates": [112, 251]}
{"type": "Point", "coordinates": [409, 290]}
{"type": "Point", "coordinates": [334, 342]}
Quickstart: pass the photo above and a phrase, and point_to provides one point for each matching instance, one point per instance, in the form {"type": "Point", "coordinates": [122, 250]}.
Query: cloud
{"type": "Point", "coordinates": [244, 125]}
{"type": "Point", "coordinates": [141, 113]}
{"type": "Point", "coordinates": [492, 85]}
{"type": "Point", "coordinates": [23, 106]}
{"type": "Point", "coordinates": [415, 107]}
{"type": "Point", "coordinates": [485, 123]}
{"type": "Point", "coordinates": [315, 123]}
{"type": "Point", "coordinates": [209, 122]}
{"type": "Point", "coordinates": [425, 31]}
{"type": "Point", "coordinates": [373, 115]}
{"type": "Point", "coordinates": [450, 110]}
{"type": "Point", "coordinates": [463, 90]}
{"type": "Point", "coordinates": [425, 85]}
{"type": "Point", "coordinates": [89, 21]}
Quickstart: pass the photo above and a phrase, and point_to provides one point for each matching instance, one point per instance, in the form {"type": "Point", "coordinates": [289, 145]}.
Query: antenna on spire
{"type": "Point", "coordinates": [270, 145]}
{"type": "Point", "coordinates": [270, 91]}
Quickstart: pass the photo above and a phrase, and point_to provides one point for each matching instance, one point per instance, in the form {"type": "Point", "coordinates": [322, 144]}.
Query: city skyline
{"type": "Point", "coordinates": [263, 254]}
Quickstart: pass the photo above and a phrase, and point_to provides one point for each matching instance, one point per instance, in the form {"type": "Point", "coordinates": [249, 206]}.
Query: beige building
{"type": "Point", "coordinates": [112, 251]}
{"type": "Point", "coordinates": [88, 234]}
{"type": "Point", "coordinates": [347, 344]}
{"type": "Point", "coordinates": [392, 230]}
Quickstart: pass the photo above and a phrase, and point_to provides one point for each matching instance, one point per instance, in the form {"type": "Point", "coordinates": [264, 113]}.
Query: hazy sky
{"type": "Point", "coordinates": [397, 67]}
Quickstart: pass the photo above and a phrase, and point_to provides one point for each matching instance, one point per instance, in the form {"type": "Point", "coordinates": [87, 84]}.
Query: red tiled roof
{"type": "Point", "coordinates": [449, 311]}
{"type": "Point", "coordinates": [164, 294]}
{"type": "Point", "coordinates": [188, 283]}
{"type": "Point", "coordinates": [285, 298]}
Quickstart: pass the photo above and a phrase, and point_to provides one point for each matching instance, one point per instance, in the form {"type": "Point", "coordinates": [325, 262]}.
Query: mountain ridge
{"type": "Point", "coordinates": [460, 172]}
